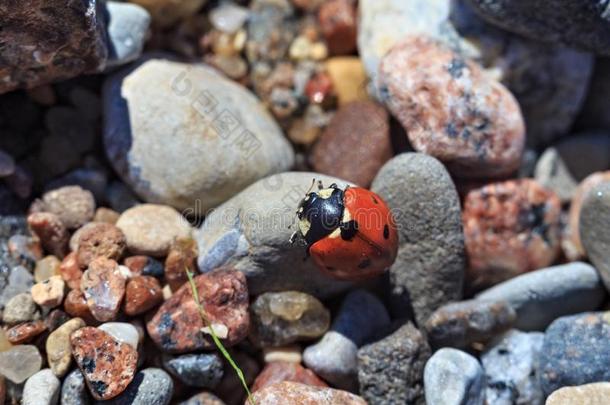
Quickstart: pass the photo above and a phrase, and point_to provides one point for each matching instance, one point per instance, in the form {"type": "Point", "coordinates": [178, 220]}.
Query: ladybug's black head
{"type": "Point", "coordinates": [320, 213]}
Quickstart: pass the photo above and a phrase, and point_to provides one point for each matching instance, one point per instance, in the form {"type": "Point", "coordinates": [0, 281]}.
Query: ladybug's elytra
{"type": "Point", "coordinates": [350, 233]}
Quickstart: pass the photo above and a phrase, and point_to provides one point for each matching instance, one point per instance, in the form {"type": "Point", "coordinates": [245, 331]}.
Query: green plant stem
{"type": "Point", "coordinates": [215, 338]}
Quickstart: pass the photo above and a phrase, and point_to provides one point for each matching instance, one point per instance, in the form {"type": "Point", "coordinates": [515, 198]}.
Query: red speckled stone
{"type": "Point", "coordinates": [338, 21]}
{"type": "Point", "coordinates": [176, 327]}
{"type": "Point", "coordinates": [283, 371]}
{"type": "Point", "coordinates": [70, 271]}
{"type": "Point", "coordinates": [103, 285]}
{"type": "Point", "coordinates": [300, 394]}
{"type": "Point", "coordinates": [107, 364]}
{"type": "Point", "coordinates": [52, 233]}
{"type": "Point", "coordinates": [141, 294]}
{"type": "Point", "coordinates": [451, 109]}
{"type": "Point", "coordinates": [25, 332]}
{"type": "Point", "coordinates": [75, 305]}
{"type": "Point", "coordinates": [510, 228]}
{"type": "Point", "coordinates": [100, 240]}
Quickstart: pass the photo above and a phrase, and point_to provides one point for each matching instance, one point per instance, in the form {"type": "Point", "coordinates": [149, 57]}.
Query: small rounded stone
{"type": "Point", "coordinates": [106, 215]}
{"type": "Point", "coordinates": [20, 363]}
{"type": "Point", "coordinates": [20, 308]}
{"type": "Point", "coordinates": [196, 370]}
{"type": "Point", "coordinates": [151, 386]}
{"type": "Point", "coordinates": [41, 389]}
{"type": "Point", "coordinates": [70, 271]}
{"type": "Point", "coordinates": [49, 293]}
{"type": "Point", "coordinates": [75, 304]}
{"type": "Point", "coordinates": [103, 285]}
{"type": "Point", "coordinates": [45, 268]}
{"type": "Point", "coordinates": [74, 389]}
{"type": "Point", "coordinates": [338, 20]}
{"type": "Point", "coordinates": [141, 294]}
{"type": "Point", "coordinates": [25, 332]}
{"type": "Point", "coordinates": [51, 231]}
{"type": "Point", "coordinates": [100, 240]}
{"type": "Point", "coordinates": [73, 205]}
{"type": "Point", "coordinates": [58, 347]}
{"type": "Point", "coordinates": [282, 371]}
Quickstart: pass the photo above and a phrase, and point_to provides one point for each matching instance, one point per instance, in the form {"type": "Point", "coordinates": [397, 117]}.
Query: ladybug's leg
{"type": "Point", "coordinates": [348, 229]}
{"type": "Point", "coordinates": [293, 237]}
{"type": "Point", "coordinates": [334, 185]}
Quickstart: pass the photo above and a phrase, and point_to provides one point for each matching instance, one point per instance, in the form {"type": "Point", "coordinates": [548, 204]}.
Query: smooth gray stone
{"type": "Point", "coordinates": [127, 27]}
{"type": "Point", "coordinates": [74, 390]}
{"type": "Point", "coordinates": [539, 297]}
{"type": "Point", "coordinates": [595, 229]}
{"type": "Point", "coordinates": [151, 386]}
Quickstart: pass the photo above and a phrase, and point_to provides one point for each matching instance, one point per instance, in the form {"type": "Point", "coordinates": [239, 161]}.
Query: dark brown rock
{"type": "Point", "coordinates": [107, 364]}
{"type": "Point", "coordinates": [49, 40]}
{"type": "Point", "coordinates": [100, 240]}
{"type": "Point", "coordinates": [177, 325]}
{"type": "Point", "coordinates": [75, 305]}
{"type": "Point", "coordinates": [70, 271]}
{"type": "Point", "coordinates": [55, 319]}
{"type": "Point", "coordinates": [103, 285]}
{"type": "Point", "coordinates": [300, 394]}
{"type": "Point", "coordinates": [510, 228]}
{"type": "Point", "coordinates": [141, 294]}
{"type": "Point", "coordinates": [182, 255]}
{"type": "Point", "coordinates": [355, 144]}
{"type": "Point", "coordinates": [338, 21]}
{"type": "Point", "coordinates": [283, 371]}
{"type": "Point", "coordinates": [25, 332]}
{"type": "Point", "coordinates": [52, 233]}
{"type": "Point", "coordinates": [451, 109]}
{"type": "Point", "coordinates": [463, 323]}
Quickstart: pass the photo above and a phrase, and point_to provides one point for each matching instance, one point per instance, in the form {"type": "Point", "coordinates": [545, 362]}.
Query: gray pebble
{"type": "Point", "coordinates": [452, 377]}
{"type": "Point", "coordinates": [196, 370]}
{"type": "Point", "coordinates": [74, 390]}
{"type": "Point", "coordinates": [429, 269]}
{"type": "Point", "coordinates": [391, 370]}
{"type": "Point", "coordinates": [203, 398]}
{"type": "Point", "coordinates": [509, 364]}
{"type": "Point", "coordinates": [151, 386]}
{"type": "Point", "coordinates": [20, 280]}
{"type": "Point", "coordinates": [41, 389]}
{"type": "Point", "coordinates": [127, 28]}
{"type": "Point", "coordinates": [20, 308]}
{"type": "Point", "coordinates": [595, 229]}
{"type": "Point", "coordinates": [541, 296]}
{"type": "Point", "coordinates": [575, 351]}
{"type": "Point", "coordinates": [334, 357]}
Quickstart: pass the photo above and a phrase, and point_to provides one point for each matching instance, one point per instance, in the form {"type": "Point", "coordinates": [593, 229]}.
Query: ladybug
{"type": "Point", "coordinates": [350, 233]}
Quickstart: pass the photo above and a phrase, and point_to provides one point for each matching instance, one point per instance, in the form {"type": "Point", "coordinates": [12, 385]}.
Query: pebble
{"type": "Point", "coordinates": [594, 228]}
{"type": "Point", "coordinates": [286, 317]}
{"type": "Point", "coordinates": [452, 377]}
{"type": "Point", "coordinates": [588, 27]}
{"type": "Point", "coordinates": [46, 268]}
{"type": "Point", "coordinates": [25, 250]}
{"type": "Point", "coordinates": [510, 228]}
{"type": "Point", "coordinates": [348, 78]}
{"type": "Point", "coordinates": [100, 240]}
{"type": "Point", "coordinates": [103, 286]}
{"type": "Point", "coordinates": [20, 363]}
{"type": "Point", "coordinates": [41, 389]}
{"type": "Point", "coordinates": [590, 394]}
{"type": "Point", "coordinates": [38, 58]}
{"type": "Point", "coordinates": [55, 319]}
{"type": "Point", "coordinates": [337, 19]}
{"type": "Point", "coordinates": [393, 367]}
{"type": "Point", "coordinates": [107, 364]}
{"type": "Point", "coordinates": [145, 266]}
{"type": "Point", "coordinates": [72, 204]}
{"type": "Point", "coordinates": [74, 389]}
{"type": "Point", "coordinates": [19, 280]}
{"type": "Point", "coordinates": [54, 236]}
{"type": "Point", "coordinates": [541, 296]}
{"type": "Point", "coordinates": [150, 229]}
{"type": "Point", "coordinates": [71, 271]}
{"type": "Point", "coordinates": [182, 255]}
{"type": "Point", "coordinates": [122, 332]}
{"type": "Point", "coordinates": [106, 215]}
{"type": "Point", "coordinates": [141, 294]}
{"type": "Point", "coordinates": [426, 206]}
{"type": "Point", "coordinates": [271, 30]}
{"type": "Point", "coordinates": [177, 325]}
{"type": "Point", "coordinates": [7, 164]}
{"type": "Point", "coordinates": [288, 354]}
{"type": "Point", "coordinates": [231, 237]}
{"type": "Point", "coordinates": [571, 243]}
{"type": "Point", "coordinates": [166, 13]}
{"type": "Point", "coordinates": [59, 354]}
{"type": "Point", "coordinates": [20, 308]}
{"type": "Point", "coordinates": [196, 370]}
{"type": "Point", "coordinates": [460, 324]}
{"type": "Point", "coordinates": [228, 17]}
{"type": "Point", "coordinates": [25, 332]}
{"type": "Point", "coordinates": [479, 129]}
{"type": "Point", "coordinates": [75, 304]}
{"type": "Point", "coordinates": [206, 112]}
{"type": "Point", "coordinates": [510, 367]}
{"type": "Point", "coordinates": [572, 352]}
{"type": "Point", "coordinates": [151, 386]}
{"type": "Point", "coordinates": [49, 293]}
{"type": "Point", "coordinates": [5, 344]}
{"type": "Point", "coordinates": [127, 28]}
{"type": "Point", "coordinates": [365, 127]}
{"type": "Point", "coordinates": [287, 392]}
{"type": "Point", "coordinates": [283, 371]}
{"type": "Point", "coordinates": [335, 357]}
{"type": "Point", "coordinates": [203, 398]}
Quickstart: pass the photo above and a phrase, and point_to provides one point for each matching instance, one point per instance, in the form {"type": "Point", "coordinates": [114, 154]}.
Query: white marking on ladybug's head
{"type": "Point", "coordinates": [347, 216]}
{"type": "Point", "coordinates": [325, 193]}
{"type": "Point", "coordinates": [304, 226]}
{"type": "Point", "coordinates": [335, 234]}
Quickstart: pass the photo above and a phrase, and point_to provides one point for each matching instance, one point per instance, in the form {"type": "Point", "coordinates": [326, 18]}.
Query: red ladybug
{"type": "Point", "coordinates": [350, 234]}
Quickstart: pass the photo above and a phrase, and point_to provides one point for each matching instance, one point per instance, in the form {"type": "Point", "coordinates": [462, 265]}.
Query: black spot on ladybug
{"type": "Point", "coordinates": [386, 231]}
{"type": "Point", "coordinates": [348, 230]}
{"type": "Point", "coordinates": [364, 263]}
{"type": "Point", "coordinates": [374, 199]}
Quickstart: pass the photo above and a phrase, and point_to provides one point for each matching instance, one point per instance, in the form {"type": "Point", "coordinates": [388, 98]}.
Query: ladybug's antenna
{"type": "Point", "coordinates": [313, 181]}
